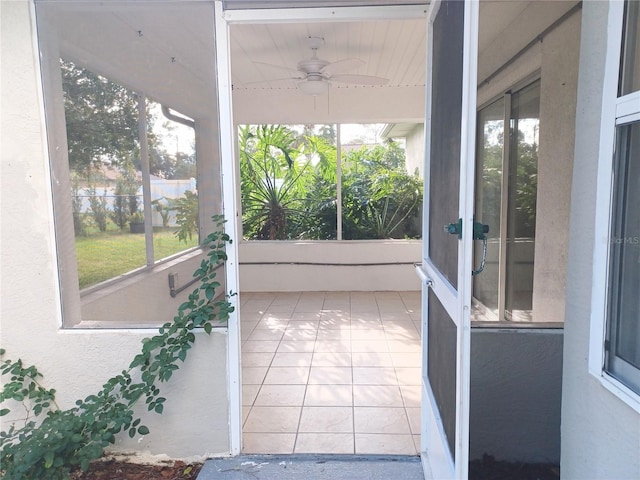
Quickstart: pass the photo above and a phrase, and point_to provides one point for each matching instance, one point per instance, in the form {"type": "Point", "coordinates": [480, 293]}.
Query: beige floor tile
{"type": "Point", "coordinates": [300, 346]}
{"type": "Point", "coordinates": [287, 376]}
{"type": "Point", "coordinates": [369, 346]}
{"type": "Point", "coordinates": [416, 442]}
{"type": "Point", "coordinates": [410, 346]}
{"type": "Point", "coordinates": [266, 334]}
{"type": "Point", "coordinates": [256, 306]}
{"type": "Point", "coordinates": [335, 443]}
{"type": "Point", "coordinates": [374, 376]}
{"type": "Point", "coordinates": [336, 315]}
{"type": "Point", "coordinates": [402, 336]}
{"type": "Point", "coordinates": [280, 310]}
{"type": "Point", "coordinates": [246, 409]}
{"type": "Point", "coordinates": [273, 322]}
{"type": "Point", "coordinates": [333, 346]}
{"type": "Point", "coordinates": [268, 443]}
{"type": "Point", "coordinates": [380, 420]}
{"type": "Point", "coordinates": [328, 396]}
{"type": "Point", "coordinates": [371, 359]}
{"type": "Point", "coordinates": [256, 359]}
{"type": "Point", "coordinates": [331, 359]}
{"type": "Point", "coordinates": [333, 324]}
{"type": "Point", "coordinates": [368, 334]}
{"type": "Point", "coordinates": [264, 346]}
{"type": "Point", "coordinates": [342, 334]}
{"type": "Point", "coordinates": [299, 334]}
{"type": "Point", "coordinates": [303, 325]}
{"type": "Point", "coordinates": [249, 394]}
{"type": "Point", "coordinates": [253, 375]}
{"type": "Point", "coordinates": [280, 395]}
{"type": "Point", "coordinates": [359, 323]}
{"type": "Point", "coordinates": [406, 359]}
{"type": "Point", "coordinates": [376, 396]}
{"type": "Point", "coordinates": [287, 359]}
{"type": "Point", "coordinates": [273, 420]}
{"type": "Point", "coordinates": [312, 315]}
{"type": "Point", "coordinates": [384, 444]}
{"type": "Point", "coordinates": [330, 376]}
{"type": "Point", "coordinates": [413, 415]}
{"type": "Point", "coordinates": [411, 395]}
{"type": "Point", "coordinates": [326, 420]}
{"type": "Point", "coordinates": [393, 317]}
{"type": "Point", "coordinates": [247, 318]}
{"type": "Point", "coordinates": [409, 376]}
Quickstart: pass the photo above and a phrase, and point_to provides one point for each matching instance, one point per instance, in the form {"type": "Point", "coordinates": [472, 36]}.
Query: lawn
{"type": "Point", "coordinates": [102, 256]}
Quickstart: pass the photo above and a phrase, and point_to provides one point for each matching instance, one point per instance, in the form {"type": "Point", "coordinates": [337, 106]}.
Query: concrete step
{"type": "Point", "coordinates": [313, 467]}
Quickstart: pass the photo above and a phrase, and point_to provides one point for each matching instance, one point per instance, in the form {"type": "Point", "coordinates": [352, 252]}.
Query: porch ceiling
{"type": "Point", "coordinates": [167, 51]}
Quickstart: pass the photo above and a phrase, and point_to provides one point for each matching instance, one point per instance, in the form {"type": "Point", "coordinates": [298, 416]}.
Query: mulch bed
{"type": "Point", "coordinates": [120, 470]}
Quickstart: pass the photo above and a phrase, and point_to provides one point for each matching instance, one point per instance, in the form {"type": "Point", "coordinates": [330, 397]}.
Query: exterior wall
{"type": "Point", "coordinates": [555, 59]}
{"type": "Point", "coordinates": [516, 388]}
{"type": "Point", "coordinates": [78, 362]}
{"type": "Point", "coordinates": [415, 150]}
{"type": "Point", "coordinates": [600, 433]}
{"type": "Point", "coordinates": [282, 275]}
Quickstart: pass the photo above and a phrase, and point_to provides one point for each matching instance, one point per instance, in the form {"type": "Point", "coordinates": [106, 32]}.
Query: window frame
{"type": "Point", "coordinates": [615, 111]}
{"type": "Point", "coordinates": [71, 297]}
{"type": "Point", "coordinates": [506, 97]}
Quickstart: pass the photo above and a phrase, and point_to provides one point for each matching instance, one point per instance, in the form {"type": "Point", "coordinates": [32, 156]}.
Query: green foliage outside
{"type": "Point", "coordinates": [288, 188]}
{"type": "Point", "coordinates": [52, 443]}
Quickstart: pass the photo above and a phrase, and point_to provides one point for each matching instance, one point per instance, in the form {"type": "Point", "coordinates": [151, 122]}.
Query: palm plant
{"type": "Point", "coordinates": [271, 186]}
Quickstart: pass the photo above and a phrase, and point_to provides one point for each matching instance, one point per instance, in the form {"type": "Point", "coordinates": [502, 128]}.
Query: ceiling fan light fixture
{"type": "Point", "coordinates": [314, 87]}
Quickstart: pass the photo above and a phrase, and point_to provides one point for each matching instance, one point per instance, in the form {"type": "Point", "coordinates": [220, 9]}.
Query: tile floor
{"type": "Point", "coordinates": [334, 372]}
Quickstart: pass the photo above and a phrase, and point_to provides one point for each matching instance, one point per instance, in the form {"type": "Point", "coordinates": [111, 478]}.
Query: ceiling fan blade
{"type": "Point", "coordinates": [342, 66]}
{"type": "Point", "coordinates": [359, 79]}
{"type": "Point", "coordinates": [296, 74]}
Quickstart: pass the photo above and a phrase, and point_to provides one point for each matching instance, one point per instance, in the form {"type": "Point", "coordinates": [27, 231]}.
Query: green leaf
{"type": "Point", "coordinates": [142, 430]}
{"type": "Point", "coordinates": [4, 411]}
{"type": "Point", "coordinates": [48, 459]}
{"type": "Point", "coordinates": [207, 328]}
{"type": "Point", "coordinates": [159, 407]}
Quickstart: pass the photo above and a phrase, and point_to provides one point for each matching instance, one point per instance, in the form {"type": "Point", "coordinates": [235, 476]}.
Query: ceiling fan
{"type": "Point", "coordinates": [314, 75]}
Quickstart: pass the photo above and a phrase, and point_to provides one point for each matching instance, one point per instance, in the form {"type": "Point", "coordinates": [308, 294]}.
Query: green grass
{"type": "Point", "coordinates": [102, 256]}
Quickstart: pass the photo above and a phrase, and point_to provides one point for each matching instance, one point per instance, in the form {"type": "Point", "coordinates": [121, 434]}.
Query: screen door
{"type": "Point", "coordinates": [447, 232]}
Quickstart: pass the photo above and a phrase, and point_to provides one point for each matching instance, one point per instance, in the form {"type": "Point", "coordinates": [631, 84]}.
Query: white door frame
{"type": "Point", "coordinates": [231, 208]}
{"type": "Point", "coordinates": [437, 460]}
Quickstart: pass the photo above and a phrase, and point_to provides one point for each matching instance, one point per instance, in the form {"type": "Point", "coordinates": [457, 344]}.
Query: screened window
{"type": "Point", "coordinates": [506, 193]}
{"type": "Point", "coordinates": [326, 182]}
{"type": "Point", "coordinates": [107, 125]}
{"type": "Point", "coordinates": [125, 118]}
{"type": "Point", "coordinates": [622, 343]}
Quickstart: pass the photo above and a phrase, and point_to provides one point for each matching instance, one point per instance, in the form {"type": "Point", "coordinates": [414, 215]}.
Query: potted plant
{"type": "Point", "coordinates": [136, 222]}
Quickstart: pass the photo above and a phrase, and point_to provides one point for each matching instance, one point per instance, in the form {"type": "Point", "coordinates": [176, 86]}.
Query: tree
{"type": "Point", "coordinates": [101, 118]}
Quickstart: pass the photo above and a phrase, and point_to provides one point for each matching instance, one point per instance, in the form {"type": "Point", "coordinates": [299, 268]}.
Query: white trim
{"type": "Point", "coordinates": [338, 14]}
{"type": "Point", "coordinates": [615, 112]}
{"type": "Point", "coordinates": [465, 254]}
{"type": "Point", "coordinates": [44, 136]}
{"type": "Point", "coordinates": [437, 463]}
{"type": "Point", "coordinates": [604, 180]}
{"type": "Point", "coordinates": [628, 105]}
{"type": "Point", "coordinates": [230, 209]}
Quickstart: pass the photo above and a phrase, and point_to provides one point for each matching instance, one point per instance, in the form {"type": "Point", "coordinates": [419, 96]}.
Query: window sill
{"type": "Point", "coordinates": [619, 390]}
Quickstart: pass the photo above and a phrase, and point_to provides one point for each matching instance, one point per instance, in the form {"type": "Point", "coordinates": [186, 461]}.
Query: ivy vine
{"type": "Point", "coordinates": [53, 442]}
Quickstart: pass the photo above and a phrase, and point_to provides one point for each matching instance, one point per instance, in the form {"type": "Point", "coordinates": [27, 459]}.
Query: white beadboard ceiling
{"type": "Point", "coordinates": [166, 50]}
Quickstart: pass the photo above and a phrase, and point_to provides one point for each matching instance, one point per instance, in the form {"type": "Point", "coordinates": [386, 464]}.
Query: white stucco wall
{"type": "Point", "coordinates": [282, 274]}
{"type": "Point", "coordinates": [415, 150]}
{"type": "Point", "coordinates": [77, 363]}
{"type": "Point", "coordinates": [600, 433]}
